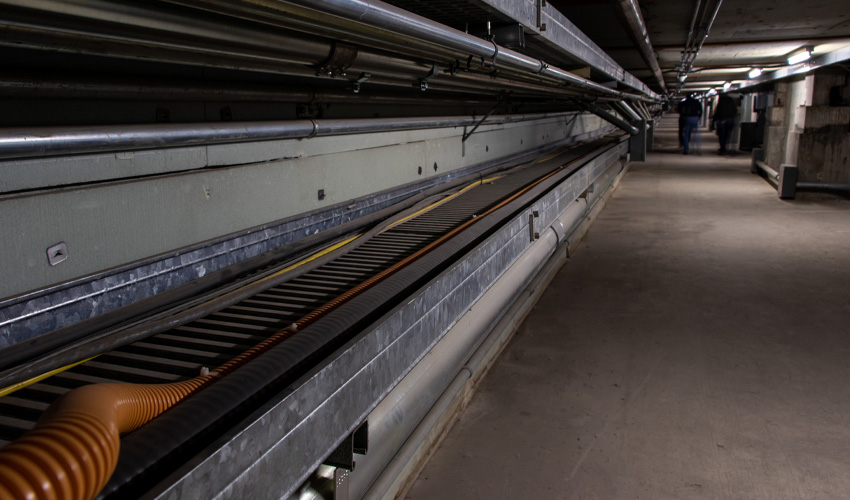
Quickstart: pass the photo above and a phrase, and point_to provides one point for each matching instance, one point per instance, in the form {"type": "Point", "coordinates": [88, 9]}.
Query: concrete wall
{"type": "Point", "coordinates": [118, 208]}
{"type": "Point", "coordinates": [825, 143]}
{"type": "Point", "coordinates": [803, 130]}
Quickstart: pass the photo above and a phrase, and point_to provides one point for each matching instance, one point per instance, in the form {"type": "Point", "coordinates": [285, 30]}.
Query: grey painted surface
{"type": "Point", "coordinates": [113, 223]}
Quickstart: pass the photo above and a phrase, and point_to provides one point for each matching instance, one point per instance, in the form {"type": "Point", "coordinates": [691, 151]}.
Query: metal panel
{"type": "Point", "coordinates": [132, 213]}
{"type": "Point", "coordinates": [295, 433]}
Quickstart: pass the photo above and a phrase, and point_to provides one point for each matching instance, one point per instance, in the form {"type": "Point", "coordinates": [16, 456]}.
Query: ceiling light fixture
{"type": "Point", "coordinates": [755, 72]}
{"type": "Point", "coordinates": [727, 85]}
{"type": "Point", "coordinates": [800, 56]}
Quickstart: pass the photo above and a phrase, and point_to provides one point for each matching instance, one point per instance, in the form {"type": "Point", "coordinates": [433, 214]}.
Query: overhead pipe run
{"type": "Point", "coordinates": [609, 117]}
{"type": "Point", "coordinates": [176, 36]}
{"type": "Point", "coordinates": [637, 29]}
{"type": "Point", "coordinates": [56, 141]}
{"type": "Point", "coordinates": [626, 110]}
{"type": "Point", "coordinates": [694, 43]}
{"type": "Point", "coordinates": [398, 21]}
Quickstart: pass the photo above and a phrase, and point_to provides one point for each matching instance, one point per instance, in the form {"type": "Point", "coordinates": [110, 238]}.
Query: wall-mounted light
{"type": "Point", "coordinates": [755, 72]}
{"type": "Point", "coordinates": [799, 57]}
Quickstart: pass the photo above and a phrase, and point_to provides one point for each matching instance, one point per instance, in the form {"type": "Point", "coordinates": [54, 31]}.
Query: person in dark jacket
{"type": "Point", "coordinates": [724, 119]}
{"type": "Point", "coordinates": [690, 111]}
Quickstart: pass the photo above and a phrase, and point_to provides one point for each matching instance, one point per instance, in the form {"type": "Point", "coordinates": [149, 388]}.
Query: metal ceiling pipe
{"type": "Point", "coordinates": [176, 37]}
{"type": "Point", "coordinates": [637, 29]}
{"type": "Point", "coordinates": [383, 16]}
{"type": "Point", "coordinates": [50, 85]}
{"type": "Point", "coordinates": [626, 110]}
{"type": "Point", "coordinates": [691, 47]}
{"type": "Point", "coordinates": [601, 113]}
{"type": "Point", "coordinates": [55, 141]}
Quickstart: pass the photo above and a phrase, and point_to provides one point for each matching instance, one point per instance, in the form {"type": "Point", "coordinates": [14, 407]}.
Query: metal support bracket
{"type": "Point", "coordinates": [356, 442]}
{"type": "Point", "coordinates": [494, 108]}
{"type": "Point", "coordinates": [355, 86]}
{"type": "Point", "coordinates": [341, 58]}
{"type": "Point", "coordinates": [787, 188]}
{"type": "Point", "coordinates": [637, 143]}
{"type": "Point", "coordinates": [423, 82]}
{"type": "Point", "coordinates": [540, 24]}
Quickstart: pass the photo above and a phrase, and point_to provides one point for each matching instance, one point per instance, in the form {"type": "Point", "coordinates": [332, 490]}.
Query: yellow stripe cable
{"type": "Point", "coordinates": [38, 378]}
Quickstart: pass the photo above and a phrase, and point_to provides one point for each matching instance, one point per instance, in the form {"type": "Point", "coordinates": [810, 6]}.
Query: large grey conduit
{"type": "Point", "coordinates": [399, 414]}
{"type": "Point", "coordinates": [54, 141]}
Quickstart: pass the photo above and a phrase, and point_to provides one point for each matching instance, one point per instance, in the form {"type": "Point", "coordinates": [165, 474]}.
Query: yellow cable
{"type": "Point", "coordinates": [444, 200]}
{"type": "Point", "coordinates": [549, 157]}
{"type": "Point", "coordinates": [20, 385]}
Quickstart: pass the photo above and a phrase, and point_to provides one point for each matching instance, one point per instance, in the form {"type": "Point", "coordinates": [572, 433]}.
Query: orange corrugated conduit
{"type": "Point", "coordinates": [71, 453]}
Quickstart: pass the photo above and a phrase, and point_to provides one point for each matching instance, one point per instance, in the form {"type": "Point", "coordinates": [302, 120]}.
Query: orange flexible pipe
{"type": "Point", "coordinates": [72, 451]}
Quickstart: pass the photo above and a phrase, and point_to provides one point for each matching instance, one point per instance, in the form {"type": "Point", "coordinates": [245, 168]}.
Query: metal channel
{"type": "Point", "coordinates": [181, 353]}
{"type": "Point", "coordinates": [296, 432]}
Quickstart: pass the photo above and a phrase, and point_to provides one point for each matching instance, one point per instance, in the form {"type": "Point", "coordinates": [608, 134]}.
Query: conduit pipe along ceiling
{"type": "Point", "coordinates": [704, 15]}
{"type": "Point", "coordinates": [630, 11]}
{"type": "Point", "coordinates": [381, 25]}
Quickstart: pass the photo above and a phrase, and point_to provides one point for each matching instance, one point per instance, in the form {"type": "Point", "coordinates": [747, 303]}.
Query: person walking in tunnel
{"type": "Point", "coordinates": [724, 119]}
{"type": "Point", "coordinates": [690, 111]}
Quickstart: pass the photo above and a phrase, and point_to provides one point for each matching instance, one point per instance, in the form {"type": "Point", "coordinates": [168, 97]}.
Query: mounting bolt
{"type": "Point", "coordinates": [57, 253]}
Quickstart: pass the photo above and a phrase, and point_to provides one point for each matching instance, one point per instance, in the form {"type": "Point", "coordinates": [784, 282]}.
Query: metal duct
{"type": "Point", "coordinates": [637, 29]}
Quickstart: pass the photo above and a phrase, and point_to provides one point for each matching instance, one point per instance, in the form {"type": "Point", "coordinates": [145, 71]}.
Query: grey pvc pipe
{"type": "Point", "coordinates": [405, 417]}
{"type": "Point", "coordinates": [773, 174]}
{"type": "Point", "coordinates": [54, 141]}
{"type": "Point", "coordinates": [823, 186]}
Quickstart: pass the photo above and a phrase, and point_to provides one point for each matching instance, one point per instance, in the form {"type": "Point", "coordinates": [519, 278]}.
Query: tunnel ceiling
{"type": "Point", "coordinates": [744, 35]}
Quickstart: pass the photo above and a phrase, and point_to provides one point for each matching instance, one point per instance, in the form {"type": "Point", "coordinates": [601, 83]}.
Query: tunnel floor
{"type": "Point", "coordinates": [694, 346]}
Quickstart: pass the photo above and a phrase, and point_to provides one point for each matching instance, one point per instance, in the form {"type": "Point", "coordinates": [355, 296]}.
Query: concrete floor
{"type": "Point", "coordinates": [696, 345]}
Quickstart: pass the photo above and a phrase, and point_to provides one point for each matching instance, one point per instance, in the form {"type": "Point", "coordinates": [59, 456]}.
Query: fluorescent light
{"type": "Point", "coordinates": [727, 85]}
{"type": "Point", "coordinates": [799, 57]}
{"type": "Point", "coordinates": [754, 72]}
